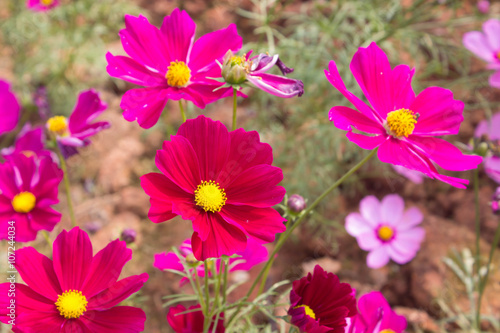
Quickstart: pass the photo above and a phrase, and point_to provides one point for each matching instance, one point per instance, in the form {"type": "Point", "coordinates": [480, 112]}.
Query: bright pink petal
{"type": "Point", "coordinates": [144, 105]}
{"type": "Point", "coordinates": [37, 272]}
{"type": "Point", "coordinates": [356, 224]}
{"type": "Point", "coordinates": [377, 258]}
{"type": "Point", "coordinates": [129, 70]}
{"type": "Point", "coordinates": [223, 239]}
{"type": "Point", "coordinates": [26, 300]}
{"type": "Point", "coordinates": [123, 319]}
{"type": "Point", "coordinates": [411, 217]}
{"type": "Point", "coordinates": [494, 80]}
{"type": "Point", "coordinates": [117, 292]}
{"type": "Point", "coordinates": [277, 85]}
{"type": "Point", "coordinates": [36, 322]}
{"type": "Point", "coordinates": [160, 187]}
{"type": "Point", "coordinates": [72, 258]}
{"type": "Point", "coordinates": [87, 108]}
{"type": "Point", "coordinates": [385, 89]}
{"type": "Point", "coordinates": [344, 117]}
{"type": "Point", "coordinates": [368, 241]}
{"type": "Point", "coordinates": [256, 187]}
{"type": "Point", "coordinates": [168, 260]}
{"type": "Point", "coordinates": [9, 108]}
{"type": "Point", "coordinates": [178, 33]}
{"type": "Point", "coordinates": [44, 218]}
{"type": "Point", "coordinates": [392, 208]}
{"type": "Point", "coordinates": [478, 43]}
{"type": "Point", "coordinates": [369, 208]}
{"type": "Point", "coordinates": [24, 231]}
{"type": "Point", "coordinates": [491, 29]}
{"type": "Point", "coordinates": [439, 113]}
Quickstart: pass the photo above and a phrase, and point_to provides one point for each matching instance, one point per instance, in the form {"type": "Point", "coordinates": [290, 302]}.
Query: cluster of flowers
{"type": "Point", "coordinates": [222, 181]}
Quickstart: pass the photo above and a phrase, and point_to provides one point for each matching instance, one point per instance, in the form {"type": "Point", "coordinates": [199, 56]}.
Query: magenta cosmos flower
{"type": "Point", "coordinates": [376, 316]}
{"type": "Point", "coordinates": [320, 303]}
{"type": "Point", "coordinates": [486, 45]}
{"type": "Point", "coordinates": [223, 182]}
{"type": "Point", "coordinates": [237, 70]}
{"type": "Point", "coordinates": [28, 189]}
{"type": "Point", "coordinates": [75, 131]}
{"type": "Point", "coordinates": [490, 131]}
{"type": "Point", "coordinates": [169, 64]}
{"type": "Point", "coordinates": [75, 291]}
{"type": "Point", "coordinates": [9, 108]}
{"type": "Point", "coordinates": [386, 230]}
{"type": "Point", "coordinates": [192, 322]}
{"type": "Point", "coordinates": [254, 254]}
{"type": "Point", "coordinates": [401, 125]}
{"type": "Point", "coordinates": [30, 142]}
{"type": "Point", "coordinates": [41, 5]}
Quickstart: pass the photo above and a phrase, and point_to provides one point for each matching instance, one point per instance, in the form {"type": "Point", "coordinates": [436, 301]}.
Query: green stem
{"type": "Point", "coordinates": [47, 238]}
{"type": "Point", "coordinates": [281, 241]}
{"type": "Point", "coordinates": [182, 111]}
{"type": "Point", "coordinates": [234, 107]}
{"type": "Point", "coordinates": [200, 294]}
{"type": "Point", "coordinates": [224, 285]}
{"type": "Point", "coordinates": [478, 222]}
{"type": "Point", "coordinates": [208, 316]}
{"type": "Point", "coordinates": [66, 185]}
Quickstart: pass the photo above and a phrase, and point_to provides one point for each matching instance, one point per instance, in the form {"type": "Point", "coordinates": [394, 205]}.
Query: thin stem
{"type": "Point", "coordinates": [235, 91]}
{"type": "Point", "coordinates": [281, 241]}
{"type": "Point", "coordinates": [224, 285]}
{"type": "Point", "coordinates": [200, 294]}
{"type": "Point", "coordinates": [47, 238]}
{"type": "Point", "coordinates": [66, 185]}
{"type": "Point", "coordinates": [478, 222]}
{"type": "Point", "coordinates": [219, 282]}
{"type": "Point", "coordinates": [208, 316]}
{"type": "Point", "coordinates": [183, 114]}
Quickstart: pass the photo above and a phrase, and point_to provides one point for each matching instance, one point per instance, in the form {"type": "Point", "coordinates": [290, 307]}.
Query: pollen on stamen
{"type": "Point", "coordinates": [71, 304]}
{"type": "Point", "coordinates": [401, 123]}
{"type": "Point", "coordinates": [209, 196]}
{"type": "Point", "coordinates": [308, 310]}
{"type": "Point", "coordinates": [24, 202]}
{"type": "Point", "coordinates": [385, 233]}
{"type": "Point", "coordinates": [178, 74]}
{"type": "Point", "coordinates": [58, 125]}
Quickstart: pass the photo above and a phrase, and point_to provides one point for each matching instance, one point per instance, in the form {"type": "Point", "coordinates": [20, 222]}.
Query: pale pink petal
{"type": "Point", "coordinates": [491, 29]}
{"type": "Point", "coordinates": [356, 224]}
{"type": "Point", "coordinates": [415, 176]}
{"type": "Point", "coordinates": [411, 217]}
{"type": "Point", "coordinates": [492, 168]}
{"type": "Point", "coordinates": [377, 258]}
{"type": "Point", "coordinates": [400, 257]}
{"type": "Point", "coordinates": [277, 85]}
{"type": "Point", "coordinates": [369, 208]}
{"type": "Point", "coordinates": [369, 241]}
{"type": "Point", "coordinates": [490, 128]}
{"type": "Point", "coordinates": [392, 208]}
{"type": "Point", "coordinates": [494, 80]}
{"type": "Point", "coordinates": [477, 43]}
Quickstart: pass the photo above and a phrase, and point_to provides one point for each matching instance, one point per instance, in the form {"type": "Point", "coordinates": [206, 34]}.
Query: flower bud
{"type": "Point", "coordinates": [495, 203]}
{"type": "Point", "coordinates": [296, 203]}
{"type": "Point", "coordinates": [128, 235]}
{"type": "Point", "coordinates": [483, 6]}
{"type": "Point", "coordinates": [234, 69]}
{"type": "Point", "coordinates": [92, 227]}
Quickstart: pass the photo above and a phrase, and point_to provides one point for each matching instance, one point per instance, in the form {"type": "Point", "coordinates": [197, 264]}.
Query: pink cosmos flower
{"type": "Point", "coordinates": [320, 303]}
{"type": "Point", "coordinates": [254, 254]}
{"type": "Point", "coordinates": [41, 5]}
{"type": "Point", "coordinates": [75, 291]}
{"type": "Point", "coordinates": [241, 69]}
{"type": "Point", "coordinates": [491, 131]}
{"type": "Point", "coordinates": [28, 189]}
{"type": "Point", "coordinates": [169, 64]}
{"type": "Point", "coordinates": [192, 322]}
{"type": "Point", "coordinates": [486, 45]}
{"type": "Point", "coordinates": [223, 182]}
{"type": "Point", "coordinates": [401, 125]}
{"type": "Point", "coordinates": [376, 316]}
{"type": "Point", "coordinates": [30, 141]}
{"type": "Point", "coordinates": [75, 131]}
{"type": "Point", "coordinates": [386, 230]}
{"type": "Point", "coordinates": [9, 108]}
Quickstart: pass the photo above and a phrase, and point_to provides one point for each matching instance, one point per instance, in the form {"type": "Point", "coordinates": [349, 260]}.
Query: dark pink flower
{"type": "Point", "coordinates": [486, 45]}
{"type": "Point", "coordinates": [223, 182]}
{"type": "Point", "coordinates": [490, 131]}
{"type": "Point", "coordinates": [376, 316]}
{"type": "Point", "coordinates": [75, 131]}
{"type": "Point", "coordinates": [254, 254]}
{"type": "Point", "coordinates": [28, 189]}
{"type": "Point", "coordinates": [9, 108]}
{"type": "Point", "coordinates": [41, 5]}
{"type": "Point", "coordinates": [192, 322]}
{"type": "Point", "coordinates": [169, 64]}
{"type": "Point", "coordinates": [75, 291]}
{"type": "Point", "coordinates": [320, 303]}
{"type": "Point", "coordinates": [30, 141]}
{"type": "Point", "coordinates": [401, 125]}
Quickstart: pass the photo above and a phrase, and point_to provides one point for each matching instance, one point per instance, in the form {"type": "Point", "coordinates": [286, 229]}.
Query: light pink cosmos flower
{"type": "Point", "coordinates": [375, 316]}
{"type": "Point", "coordinates": [30, 141]}
{"type": "Point", "coordinates": [169, 64]}
{"type": "Point", "coordinates": [75, 291]}
{"type": "Point", "coordinates": [486, 45]}
{"type": "Point", "coordinates": [399, 123]}
{"type": "Point", "coordinates": [28, 189]}
{"type": "Point", "coordinates": [386, 230]}
{"type": "Point", "coordinates": [9, 108]}
{"type": "Point", "coordinates": [41, 5]}
{"type": "Point", "coordinates": [491, 129]}
{"type": "Point", "coordinates": [254, 254]}
{"type": "Point", "coordinates": [75, 132]}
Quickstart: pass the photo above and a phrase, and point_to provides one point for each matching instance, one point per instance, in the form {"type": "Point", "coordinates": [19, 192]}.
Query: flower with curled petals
{"type": "Point", "coordinates": [222, 181]}
{"type": "Point", "coordinates": [30, 141]}
{"type": "Point", "coordinates": [386, 230]}
{"type": "Point", "coordinates": [170, 64]}
{"type": "Point", "coordinates": [75, 291]}
{"type": "Point", "coordinates": [399, 123]}
{"type": "Point", "coordinates": [320, 303]}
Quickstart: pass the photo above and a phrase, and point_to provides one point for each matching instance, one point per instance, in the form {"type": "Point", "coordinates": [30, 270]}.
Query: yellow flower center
{"type": "Point", "coordinates": [28, 153]}
{"type": "Point", "coordinates": [385, 233]}
{"type": "Point", "coordinates": [387, 331]}
{"type": "Point", "coordinates": [47, 2]}
{"type": "Point", "coordinates": [178, 74]}
{"type": "Point", "coordinates": [71, 304]}
{"type": "Point", "coordinates": [58, 125]}
{"type": "Point", "coordinates": [237, 60]}
{"type": "Point", "coordinates": [24, 202]}
{"type": "Point", "coordinates": [210, 196]}
{"type": "Point", "coordinates": [401, 122]}
{"type": "Point", "coordinates": [308, 310]}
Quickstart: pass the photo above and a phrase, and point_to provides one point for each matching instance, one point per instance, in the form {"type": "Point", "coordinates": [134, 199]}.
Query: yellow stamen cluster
{"type": "Point", "coordinates": [308, 310]}
{"type": "Point", "coordinates": [401, 122]}
{"type": "Point", "coordinates": [24, 202]}
{"type": "Point", "coordinates": [210, 196]}
{"type": "Point", "coordinates": [47, 2]}
{"type": "Point", "coordinates": [58, 125]}
{"type": "Point", "coordinates": [71, 304]}
{"type": "Point", "coordinates": [178, 74]}
{"type": "Point", "coordinates": [387, 331]}
{"type": "Point", "coordinates": [237, 60]}
{"type": "Point", "coordinates": [385, 233]}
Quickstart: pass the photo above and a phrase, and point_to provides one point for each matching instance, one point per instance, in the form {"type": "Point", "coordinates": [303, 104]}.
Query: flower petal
{"type": "Point", "coordinates": [477, 43]}
{"type": "Point", "coordinates": [344, 117]}
{"type": "Point", "coordinates": [356, 224]}
{"type": "Point", "coordinates": [168, 260]}
{"type": "Point", "coordinates": [178, 31]}
{"type": "Point", "coordinates": [123, 319]}
{"type": "Point", "coordinates": [494, 80]}
{"type": "Point", "coordinates": [392, 208]}
{"type": "Point", "coordinates": [369, 208]}
{"type": "Point", "coordinates": [161, 188]}
{"type": "Point", "coordinates": [411, 218]}
{"type": "Point", "coordinates": [368, 241]}
{"type": "Point", "coordinates": [9, 108]}
{"type": "Point", "coordinates": [144, 105]}
{"type": "Point", "coordinates": [277, 85]}
{"type": "Point", "coordinates": [117, 292]}
{"type": "Point", "coordinates": [377, 258]}
{"type": "Point", "coordinates": [491, 29]}
{"type": "Point", "coordinates": [366, 142]}
{"type": "Point", "coordinates": [492, 168]}
{"type": "Point", "coordinates": [129, 70]}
